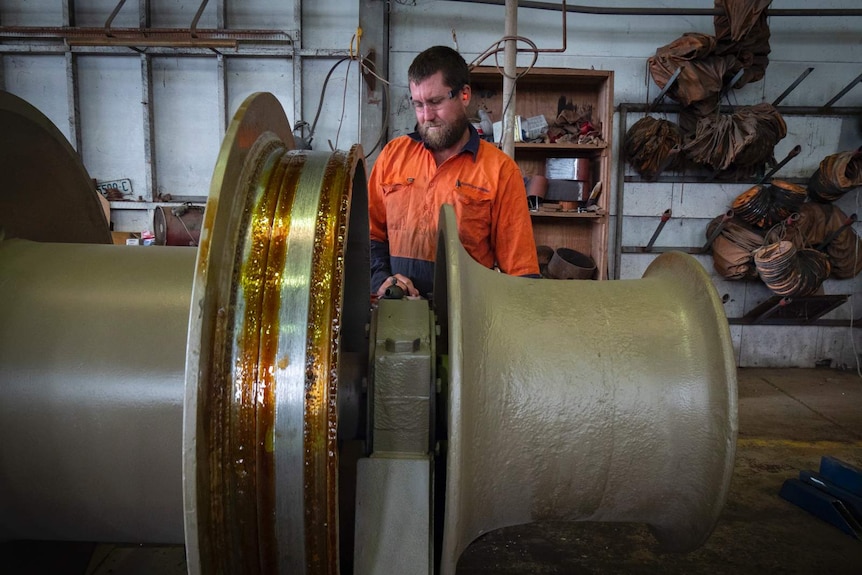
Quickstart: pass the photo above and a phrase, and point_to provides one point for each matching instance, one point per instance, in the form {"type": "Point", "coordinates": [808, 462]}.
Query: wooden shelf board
{"type": "Point", "coordinates": [562, 214]}
{"type": "Point", "coordinates": [520, 146]}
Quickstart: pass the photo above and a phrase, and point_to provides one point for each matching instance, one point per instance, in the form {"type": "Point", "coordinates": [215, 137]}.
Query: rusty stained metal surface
{"type": "Point", "coordinates": [214, 445]}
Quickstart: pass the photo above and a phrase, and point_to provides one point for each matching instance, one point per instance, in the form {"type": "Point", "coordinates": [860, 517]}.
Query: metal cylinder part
{"type": "Point", "coordinates": [178, 225]}
{"type": "Point", "coordinates": [92, 351]}
{"type": "Point", "coordinates": [279, 304]}
{"type": "Point", "coordinates": [149, 396]}
{"type": "Point", "coordinates": [635, 422]}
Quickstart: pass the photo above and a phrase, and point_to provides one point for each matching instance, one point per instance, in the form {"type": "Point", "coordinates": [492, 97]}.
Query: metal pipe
{"type": "Point", "coordinates": [621, 11]}
{"type": "Point", "coordinates": [194, 25]}
{"type": "Point", "coordinates": [784, 110]}
{"type": "Point", "coordinates": [668, 85]}
{"type": "Point", "coordinates": [108, 36]}
{"type": "Point", "coordinates": [618, 189]}
{"type": "Point", "coordinates": [510, 69]}
{"type": "Point", "coordinates": [831, 237]}
{"type": "Point", "coordinates": [665, 216]}
{"type": "Point", "coordinates": [792, 86]}
{"type": "Point", "coordinates": [727, 216]}
{"type": "Point", "coordinates": [111, 17]}
{"type": "Point", "coordinates": [790, 155]}
{"type": "Point", "coordinates": [846, 89]}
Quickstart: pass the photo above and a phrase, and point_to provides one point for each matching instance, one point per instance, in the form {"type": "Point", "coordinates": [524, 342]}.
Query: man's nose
{"type": "Point", "coordinates": [426, 113]}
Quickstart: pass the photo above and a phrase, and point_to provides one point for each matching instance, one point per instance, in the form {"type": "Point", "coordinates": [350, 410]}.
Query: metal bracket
{"type": "Point", "coordinates": [820, 503]}
{"type": "Point", "coordinates": [667, 87]}
{"type": "Point", "coordinates": [792, 86]}
{"type": "Point", "coordinates": [778, 310]}
{"type": "Point", "coordinates": [840, 94]}
{"type": "Point", "coordinates": [834, 495]}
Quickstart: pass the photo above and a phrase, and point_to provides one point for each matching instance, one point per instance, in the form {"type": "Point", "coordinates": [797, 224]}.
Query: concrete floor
{"type": "Point", "coordinates": [788, 419]}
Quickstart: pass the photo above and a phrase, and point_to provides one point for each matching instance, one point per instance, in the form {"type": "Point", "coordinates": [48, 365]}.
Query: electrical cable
{"type": "Point", "coordinates": [343, 106]}
{"type": "Point", "coordinates": [495, 49]}
{"type": "Point", "coordinates": [852, 314]}
{"type": "Point", "coordinates": [322, 94]}
{"type": "Point", "coordinates": [386, 97]}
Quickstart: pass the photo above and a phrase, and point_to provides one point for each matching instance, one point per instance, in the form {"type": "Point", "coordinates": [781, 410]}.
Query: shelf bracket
{"type": "Point", "coordinates": [792, 86]}
{"type": "Point", "coordinates": [840, 94]}
{"type": "Point", "coordinates": [667, 87]}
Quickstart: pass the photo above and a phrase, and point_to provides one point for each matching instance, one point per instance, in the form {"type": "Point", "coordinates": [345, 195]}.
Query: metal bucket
{"type": "Point", "coordinates": [569, 264]}
{"type": "Point", "coordinates": [178, 225]}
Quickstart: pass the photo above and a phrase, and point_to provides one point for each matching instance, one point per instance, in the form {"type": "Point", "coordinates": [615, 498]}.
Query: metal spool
{"type": "Point", "coordinates": [228, 443]}
{"type": "Point", "coordinates": [598, 401]}
{"type": "Point", "coordinates": [218, 427]}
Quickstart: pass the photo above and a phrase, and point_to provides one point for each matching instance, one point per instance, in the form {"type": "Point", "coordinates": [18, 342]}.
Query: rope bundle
{"type": "Point", "coordinates": [743, 140]}
{"type": "Point", "coordinates": [697, 69]}
{"type": "Point", "coordinates": [819, 221]}
{"type": "Point", "coordinates": [731, 249]}
{"type": "Point", "coordinates": [732, 261]}
{"type": "Point", "coordinates": [789, 271]}
{"type": "Point", "coordinates": [652, 145]}
{"type": "Point", "coordinates": [837, 175]}
{"type": "Point", "coordinates": [742, 30]}
{"type": "Point", "coordinates": [701, 75]}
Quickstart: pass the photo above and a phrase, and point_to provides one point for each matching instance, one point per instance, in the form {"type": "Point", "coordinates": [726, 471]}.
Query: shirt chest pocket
{"type": "Point", "coordinates": [473, 209]}
{"type": "Point", "coordinates": [397, 197]}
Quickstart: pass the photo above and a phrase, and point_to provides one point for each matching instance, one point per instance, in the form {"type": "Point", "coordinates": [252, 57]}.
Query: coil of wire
{"type": "Point", "coordinates": [789, 271]}
{"type": "Point", "coordinates": [814, 267]}
{"type": "Point", "coordinates": [765, 205]}
{"type": "Point", "coordinates": [787, 198]}
{"type": "Point", "coordinates": [837, 174]}
{"type": "Point", "coordinates": [752, 206]}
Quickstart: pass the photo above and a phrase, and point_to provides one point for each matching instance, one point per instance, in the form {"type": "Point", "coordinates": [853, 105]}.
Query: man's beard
{"type": "Point", "coordinates": [444, 139]}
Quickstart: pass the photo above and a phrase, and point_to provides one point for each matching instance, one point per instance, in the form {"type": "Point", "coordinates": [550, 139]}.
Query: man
{"type": "Point", "coordinates": [444, 162]}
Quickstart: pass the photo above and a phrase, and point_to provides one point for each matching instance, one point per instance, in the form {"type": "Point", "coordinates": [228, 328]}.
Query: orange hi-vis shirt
{"type": "Point", "coordinates": [486, 188]}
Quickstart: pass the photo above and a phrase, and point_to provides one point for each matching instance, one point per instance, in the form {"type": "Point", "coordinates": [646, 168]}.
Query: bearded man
{"type": "Point", "coordinates": [444, 162]}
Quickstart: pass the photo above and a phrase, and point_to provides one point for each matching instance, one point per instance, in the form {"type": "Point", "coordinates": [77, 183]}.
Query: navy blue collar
{"type": "Point", "coordinates": [471, 146]}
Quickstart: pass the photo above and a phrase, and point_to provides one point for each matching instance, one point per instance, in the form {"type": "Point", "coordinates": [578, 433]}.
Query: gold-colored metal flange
{"type": "Point", "coordinates": [268, 323]}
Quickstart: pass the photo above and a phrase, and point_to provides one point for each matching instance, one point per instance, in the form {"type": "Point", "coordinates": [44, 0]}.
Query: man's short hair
{"type": "Point", "coordinates": [443, 59]}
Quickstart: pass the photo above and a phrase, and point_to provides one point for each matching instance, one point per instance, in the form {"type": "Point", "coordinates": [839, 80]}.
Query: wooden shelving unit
{"type": "Point", "coordinates": [540, 92]}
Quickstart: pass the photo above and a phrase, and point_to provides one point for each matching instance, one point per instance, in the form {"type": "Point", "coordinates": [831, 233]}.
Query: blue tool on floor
{"type": "Point", "coordinates": [834, 495]}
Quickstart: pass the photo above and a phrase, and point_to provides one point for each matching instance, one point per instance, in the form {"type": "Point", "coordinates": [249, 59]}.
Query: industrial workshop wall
{"type": "Point", "coordinates": [623, 43]}
{"type": "Point", "coordinates": [147, 111]}
{"type": "Point", "coordinates": [154, 114]}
